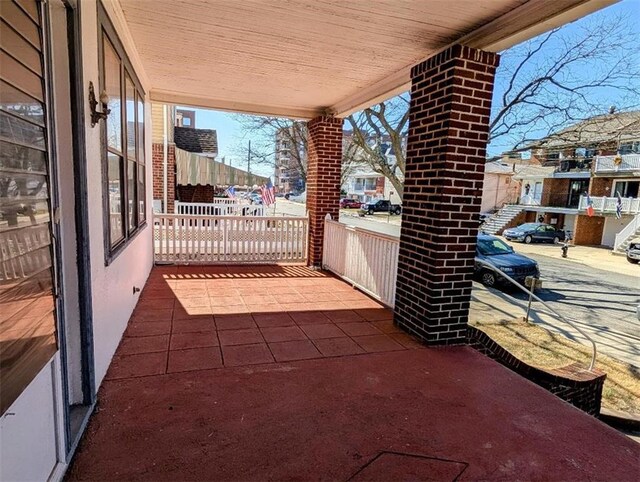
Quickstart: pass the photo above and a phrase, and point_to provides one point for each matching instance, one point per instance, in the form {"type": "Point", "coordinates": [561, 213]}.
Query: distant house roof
{"type": "Point", "coordinates": [204, 141]}
{"type": "Point", "coordinates": [498, 167]}
{"type": "Point", "coordinates": [534, 172]}
{"type": "Point", "coordinates": [617, 127]}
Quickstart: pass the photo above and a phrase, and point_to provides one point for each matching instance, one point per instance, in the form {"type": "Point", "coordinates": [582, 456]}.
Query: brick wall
{"type": "Point", "coordinates": [555, 192]}
{"type": "Point", "coordinates": [600, 186]}
{"type": "Point", "coordinates": [573, 383]}
{"type": "Point", "coordinates": [323, 179]}
{"type": "Point", "coordinates": [158, 174]}
{"type": "Point", "coordinates": [588, 230]}
{"type": "Point", "coordinates": [448, 131]}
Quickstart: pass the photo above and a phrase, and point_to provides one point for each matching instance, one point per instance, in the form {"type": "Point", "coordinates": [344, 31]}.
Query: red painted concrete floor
{"type": "Point", "coordinates": [281, 373]}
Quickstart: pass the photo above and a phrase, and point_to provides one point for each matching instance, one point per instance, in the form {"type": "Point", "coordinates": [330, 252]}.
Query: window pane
{"type": "Point", "coordinates": [131, 118]}
{"type": "Point", "coordinates": [112, 87]}
{"type": "Point", "coordinates": [141, 194]}
{"type": "Point", "coordinates": [131, 194]}
{"type": "Point", "coordinates": [18, 103]}
{"type": "Point", "coordinates": [27, 307]}
{"type": "Point", "coordinates": [140, 131]}
{"type": "Point", "coordinates": [21, 132]}
{"type": "Point", "coordinates": [116, 227]}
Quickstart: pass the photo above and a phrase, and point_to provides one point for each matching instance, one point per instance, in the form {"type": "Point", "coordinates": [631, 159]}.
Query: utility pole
{"type": "Point", "coordinates": [249, 165]}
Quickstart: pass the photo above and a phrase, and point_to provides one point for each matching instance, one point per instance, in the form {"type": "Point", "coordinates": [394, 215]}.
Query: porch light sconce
{"type": "Point", "coordinates": [96, 115]}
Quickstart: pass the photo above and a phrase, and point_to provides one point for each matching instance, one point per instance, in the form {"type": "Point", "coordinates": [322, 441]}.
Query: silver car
{"type": "Point", "coordinates": [633, 251]}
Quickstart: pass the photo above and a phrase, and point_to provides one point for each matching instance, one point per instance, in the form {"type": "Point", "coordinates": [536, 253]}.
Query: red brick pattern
{"type": "Point", "coordinates": [448, 131]}
{"type": "Point", "coordinates": [158, 174]}
{"type": "Point", "coordinates": [324, 163]}
{"type": "Point", "coordinates": [588, 230]}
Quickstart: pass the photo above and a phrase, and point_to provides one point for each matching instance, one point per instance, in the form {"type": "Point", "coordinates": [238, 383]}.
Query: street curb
{"type": "Point", "coordinates": [620, 420]}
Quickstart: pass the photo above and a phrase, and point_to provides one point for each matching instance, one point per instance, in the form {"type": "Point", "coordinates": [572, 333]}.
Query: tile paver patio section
{"type": "Point", "coordinates": [266, 388]}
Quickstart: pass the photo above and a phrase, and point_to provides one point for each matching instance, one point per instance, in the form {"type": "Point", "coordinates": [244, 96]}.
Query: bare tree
{"type": "Point", "coordinates": [542, 86]}
{"type": "Point", "coordinates": [266, 129]}
{"type": "Point", "coordinates": [379, 128]}
{"type": "Point", "coordinates": [564, 77]}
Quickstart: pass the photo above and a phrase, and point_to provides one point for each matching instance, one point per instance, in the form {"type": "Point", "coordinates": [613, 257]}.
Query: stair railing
{"type": "Point", "coordinates": [627, 232]}
{"type": "Point", "coordinates": [529, 292]}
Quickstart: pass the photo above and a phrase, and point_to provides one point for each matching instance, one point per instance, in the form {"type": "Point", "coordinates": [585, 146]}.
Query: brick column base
{"type": "Point", "coordinates": [448, 132]}
{"type": "Point", "coordinates": [324, 163]}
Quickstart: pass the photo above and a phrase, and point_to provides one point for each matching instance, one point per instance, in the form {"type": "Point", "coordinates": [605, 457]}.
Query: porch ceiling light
{"type": "Point", "coordinates": [96, 115]}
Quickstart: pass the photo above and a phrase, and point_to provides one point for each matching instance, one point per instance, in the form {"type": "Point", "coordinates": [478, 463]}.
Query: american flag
{"type": "Point", "coordinates": [618, 206]}
{"type": "Point", "coordinates": [231, 192]}
{"type": "Point", "coordinates": [590, 211]}
{"type": "Point", "coordinates": [268, 194]}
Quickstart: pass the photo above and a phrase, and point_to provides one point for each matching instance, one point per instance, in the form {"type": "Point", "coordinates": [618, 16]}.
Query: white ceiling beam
{"type": "Point", "coordinates": [179, 98]}
{"type": "Point", "coordinates": [512, 28]}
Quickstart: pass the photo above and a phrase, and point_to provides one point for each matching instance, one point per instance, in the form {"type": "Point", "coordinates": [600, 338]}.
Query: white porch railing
{"type": "Point", "coordinates": [24, 251]}
{"type": "Point", "coordinates": [220, 207]}
{"type": "Point", "coordinates": [628, 231]}
{"type": "Point", "coordinates": [182, 239]}
{"type": "Point", "coordinates": [628, 162]}
{"type": "Point", "coordinates": [607, 205]}
{"type": "Point", "coordinates": [366, 259]}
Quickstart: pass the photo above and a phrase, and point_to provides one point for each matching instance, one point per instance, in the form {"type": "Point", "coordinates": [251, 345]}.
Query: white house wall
{"type": "Point", "coordinates": [613, 226]}
{"type": "Point", "coordinates": [112, 286]}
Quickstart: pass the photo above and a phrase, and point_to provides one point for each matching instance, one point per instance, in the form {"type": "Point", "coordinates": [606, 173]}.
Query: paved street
{"type": "Point", "coordinates": [600, 302]}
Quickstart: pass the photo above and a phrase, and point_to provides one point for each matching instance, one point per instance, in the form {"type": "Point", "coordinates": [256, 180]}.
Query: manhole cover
{"type": "Point", "coordinates": [391, 466]}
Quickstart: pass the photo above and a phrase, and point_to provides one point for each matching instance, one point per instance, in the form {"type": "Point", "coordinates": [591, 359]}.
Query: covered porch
{"type": "Point", "coordinates": [245, 372]}
{"type": "Point", "coordinates": [283, 373]}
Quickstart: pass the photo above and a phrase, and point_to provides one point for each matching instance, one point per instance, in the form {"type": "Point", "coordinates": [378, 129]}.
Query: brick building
{"type": "Point", "coordinates": [599, 157]}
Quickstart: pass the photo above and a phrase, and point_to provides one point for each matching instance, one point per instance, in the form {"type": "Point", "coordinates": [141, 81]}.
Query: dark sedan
{"type": "Point", "coordinates": [535, 232]}
{"type": "Point", "coordinates": [504, 259]}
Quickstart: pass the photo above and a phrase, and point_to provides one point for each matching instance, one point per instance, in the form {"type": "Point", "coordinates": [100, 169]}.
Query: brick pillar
{"type": "Point", "coordinates": [324, 162]}
{"type": "Point", "coordinates": [448, 131]}
{"type": "Point", "coordinates": [158, 174]}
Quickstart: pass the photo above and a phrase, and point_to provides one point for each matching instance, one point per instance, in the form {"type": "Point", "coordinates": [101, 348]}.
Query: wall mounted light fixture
{"type": "Point", "coordinates": [96, 115]}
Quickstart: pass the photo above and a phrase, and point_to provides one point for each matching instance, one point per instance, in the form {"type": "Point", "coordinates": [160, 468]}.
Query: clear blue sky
{"type": "Point", "coordinates": [231, 135]}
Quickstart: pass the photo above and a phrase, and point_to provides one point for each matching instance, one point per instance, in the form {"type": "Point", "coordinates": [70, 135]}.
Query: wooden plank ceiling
{"type": "Point", "coordinates": [302, 57]}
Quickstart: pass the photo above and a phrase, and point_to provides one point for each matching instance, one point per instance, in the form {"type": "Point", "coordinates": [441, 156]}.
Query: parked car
{"type": "Point", "coordinates": [497, 253]}
{"type": "Point", "coordinates": [347, 203]}
{"type": "Point", "coordinates": [298, 198]}
{"type": "Point", "coordinates": [380, 206]}
{"type": "Point", "coordinates": [633, 251]}
{"type": "Point", "coordinates": [532, 232]}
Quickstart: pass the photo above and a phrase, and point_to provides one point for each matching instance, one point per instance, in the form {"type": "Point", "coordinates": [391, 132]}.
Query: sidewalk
{"type": "Point", "coordinates": [595, 257]}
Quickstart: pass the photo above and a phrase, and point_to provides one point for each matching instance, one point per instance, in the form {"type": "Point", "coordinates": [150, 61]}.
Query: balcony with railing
{"type": "Point", "coordinates": [626, 163]}
{"type": "Point", "coordinates": [609, 205]}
